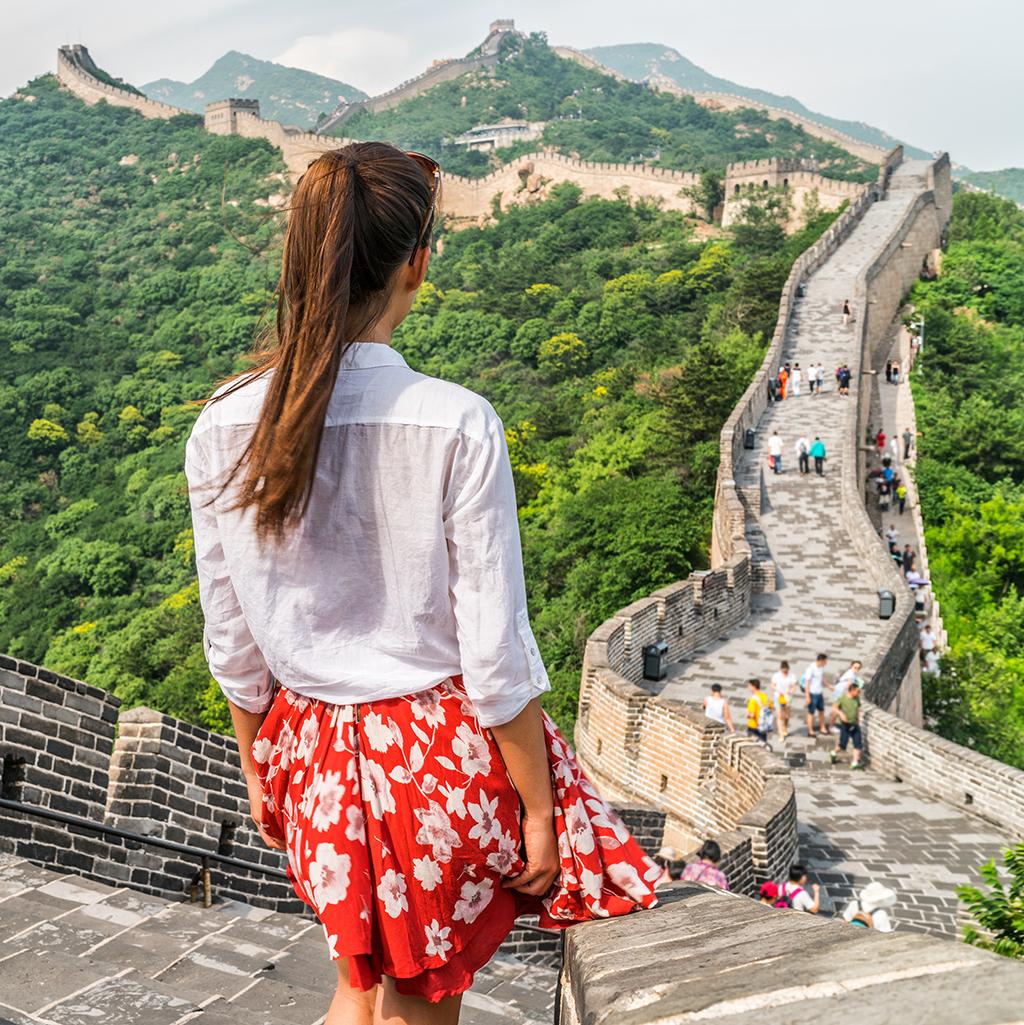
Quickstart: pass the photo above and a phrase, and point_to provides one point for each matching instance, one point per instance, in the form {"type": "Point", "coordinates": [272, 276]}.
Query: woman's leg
{"type": "Point", "coordinates": [394, 1008]}
{"type": "Point", "coordinates": [350, 1006]}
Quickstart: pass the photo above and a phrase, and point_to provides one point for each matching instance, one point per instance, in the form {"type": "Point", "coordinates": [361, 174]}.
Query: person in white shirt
{"type": "Point", "coordinates": [927, 641]}
{"type": "Point", "coordinates": [775, 451]}
{"type": "Point", "coordinates": [803, 454]}
{"type": "Point", "coordinates": [813, 681]}
{"type": "Point", "coordinates": [361, 580]}
{"type": "Point", "coordinates": [794, 891]}
{"type": "Point", "coordinates": [821, 377]}
{"type": "Point", "coordinates": [717, 707]}
{"type": "Point", "coordinates": [851, 675]}
{"type": "Point", "coordinates": [783, 689]}
{"type": "Point", "coordinates": [795, 377]}
{"type": "Point", "coordinates": [892, 538]}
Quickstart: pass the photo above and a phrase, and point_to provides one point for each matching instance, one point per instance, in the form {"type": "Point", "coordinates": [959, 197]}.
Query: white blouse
{"type": "Point", "coordinates": [406, 567]}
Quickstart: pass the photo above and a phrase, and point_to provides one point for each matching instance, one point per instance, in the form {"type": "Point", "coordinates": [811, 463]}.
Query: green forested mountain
{"type": "Point", "coordinates": [643, 61]}
{"type": "Point", "coordinates": [1008, 182]}
{"type": "Point", "coordinates": [135, 260]}
{"type": "Point", "coordinates": [969, 393]}
{"type": "Point", "coordinates": [290, 95]}
{"type": "Point", "coordinates": [590, 115]}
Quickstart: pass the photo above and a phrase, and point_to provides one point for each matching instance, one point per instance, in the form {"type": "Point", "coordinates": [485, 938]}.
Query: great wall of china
{"type": "Point", "coordinates": [470, 200]}
{"type": "Point", "coordinates": [788, 575]}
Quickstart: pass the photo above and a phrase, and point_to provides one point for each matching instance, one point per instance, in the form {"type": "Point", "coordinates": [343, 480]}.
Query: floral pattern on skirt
{"type": "Point", "coordinates": [400, 822]}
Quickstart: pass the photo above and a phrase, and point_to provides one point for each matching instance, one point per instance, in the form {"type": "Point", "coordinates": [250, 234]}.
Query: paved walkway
{"type": "Point", "coordinates": [853, 828]}
{"type": "Point", "coordinates": [77, 952]}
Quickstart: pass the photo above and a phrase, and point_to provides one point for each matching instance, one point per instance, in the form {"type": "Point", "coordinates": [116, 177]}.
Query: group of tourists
{"type": "Point", "coordinates": [869, 909]}
{"type": "Point", "coordinates": [806, 450]}
{"type": "Point", "coordinates": [892, 371]}
{"type": "Point", "coordinates": [889, 486]}
{"type": "Point", "coordinates": [789, 381]}
{"type": "Point", "coordinates": [767, 711]}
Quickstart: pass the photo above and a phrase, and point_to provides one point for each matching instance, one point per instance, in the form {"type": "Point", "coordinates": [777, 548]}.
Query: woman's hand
{"type": "Point", "coordinates": [252, 783]}
{"type": "Point", "coordinates": [542, 864]}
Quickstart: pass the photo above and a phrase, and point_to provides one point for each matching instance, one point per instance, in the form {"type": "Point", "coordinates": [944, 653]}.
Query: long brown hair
{"type": "Point", "coordinates": [357, 214]}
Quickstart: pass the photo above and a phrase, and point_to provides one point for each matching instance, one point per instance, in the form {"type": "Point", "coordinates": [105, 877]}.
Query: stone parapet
{"type": "Point", "coordinates": [705, 955]}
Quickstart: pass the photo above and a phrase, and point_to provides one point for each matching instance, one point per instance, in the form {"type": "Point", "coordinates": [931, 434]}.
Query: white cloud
{"type": "Point", "coordinates": [369, 59]}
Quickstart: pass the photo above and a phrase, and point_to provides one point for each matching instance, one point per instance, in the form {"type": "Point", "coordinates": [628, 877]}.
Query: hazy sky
{"type": "Point", "coordinates": [946, 74]}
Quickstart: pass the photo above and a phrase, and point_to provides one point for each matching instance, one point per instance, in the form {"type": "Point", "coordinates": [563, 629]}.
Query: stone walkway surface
{"type": "Point", "coordinates": [854, 828]}
{"type": "Point", "coordinates": [77, 952]}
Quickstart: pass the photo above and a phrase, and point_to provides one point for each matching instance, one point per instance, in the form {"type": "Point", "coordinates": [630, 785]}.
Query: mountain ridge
{"type": "Point", "coordinates": [286, 94]}
{"type": "Point", "coordinates": [642, 62]}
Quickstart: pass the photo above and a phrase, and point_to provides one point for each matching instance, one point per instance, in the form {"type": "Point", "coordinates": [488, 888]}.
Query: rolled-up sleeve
{"type": "Point", "coordinates": [235, 661]}
{"type": "Point", "coordinates": [502, 667]}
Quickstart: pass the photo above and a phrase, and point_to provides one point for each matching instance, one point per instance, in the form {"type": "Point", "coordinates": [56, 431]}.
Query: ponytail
{"type": "Point", "coordinates": [356, 217]}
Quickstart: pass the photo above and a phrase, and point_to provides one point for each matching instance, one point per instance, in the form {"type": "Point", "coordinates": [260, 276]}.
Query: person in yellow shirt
{"type": "Point", "coordinates": [756, 702]}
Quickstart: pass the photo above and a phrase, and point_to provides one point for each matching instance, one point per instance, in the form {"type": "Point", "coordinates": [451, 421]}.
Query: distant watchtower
{"type": "Point", "coordinates": [221, 117]}
{"type": "Point", "coordinates": [495, 34]}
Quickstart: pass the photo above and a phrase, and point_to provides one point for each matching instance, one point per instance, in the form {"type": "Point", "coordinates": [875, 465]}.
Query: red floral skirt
{"type": "Point", "coordinates": [400, 822]}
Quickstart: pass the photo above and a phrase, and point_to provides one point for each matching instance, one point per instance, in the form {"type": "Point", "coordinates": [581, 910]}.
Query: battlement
{"type": "Point", "coordinates": [221, 117]}
{"type": "Point", "coordinates": [76, 70]}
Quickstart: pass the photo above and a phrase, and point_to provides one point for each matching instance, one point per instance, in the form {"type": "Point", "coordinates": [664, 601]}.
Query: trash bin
{"type": "Point", "coordinates": [886, 603]}
{"type": "Point", "coordinates": [748, 438]}
{"type": "Point", "coordinates": [655, 656]}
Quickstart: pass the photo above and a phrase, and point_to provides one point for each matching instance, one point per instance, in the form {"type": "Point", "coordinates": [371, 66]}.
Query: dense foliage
{"type": "Point", "coordinates": [969, 394]}
{"type": "Point", "coordinates": [998, 910]}
{"type": "Point", "coordinates": [590, 115]}
{"type": "Point", "coordinates": [127, 287]}
{"type": "Point", "coordinates": [611, 341]}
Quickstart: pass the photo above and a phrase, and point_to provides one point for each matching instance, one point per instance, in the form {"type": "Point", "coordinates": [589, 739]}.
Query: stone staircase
{"type": "Point", "coordinates": [77, 952]}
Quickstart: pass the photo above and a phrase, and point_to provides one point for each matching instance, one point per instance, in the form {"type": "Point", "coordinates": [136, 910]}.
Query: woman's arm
{"type": "Point", "coordinates": [524, 751]}
{"type": "Point", "coordinates": [247, 725]}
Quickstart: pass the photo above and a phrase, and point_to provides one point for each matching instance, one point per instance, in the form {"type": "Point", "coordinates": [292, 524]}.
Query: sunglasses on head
{"type": "Point", "coordinates": [432, 170]}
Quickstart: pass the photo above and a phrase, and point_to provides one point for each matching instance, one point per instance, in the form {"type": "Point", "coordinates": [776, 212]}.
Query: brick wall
{"type": "Point", "coordinates": [954, 774]}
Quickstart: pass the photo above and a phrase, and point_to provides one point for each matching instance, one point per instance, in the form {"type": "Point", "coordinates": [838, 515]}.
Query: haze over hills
{"type": "Point", "coordinates": [1008, 182]}
{"type": "Point", "coordinates": [290, 95]}
{"type": "Point", "coordinates": [645, 61]}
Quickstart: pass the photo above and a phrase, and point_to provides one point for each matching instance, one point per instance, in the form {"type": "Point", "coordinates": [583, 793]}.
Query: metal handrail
{"type": "Point", "coordinates": [205, 857]}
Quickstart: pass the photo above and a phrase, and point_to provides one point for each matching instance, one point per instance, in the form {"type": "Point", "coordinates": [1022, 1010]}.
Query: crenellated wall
{"type": "Point", "coordinates": [732, 101]}
{"type": "Point", "coordinates": [803, 186]}
{"type": "Point", "coordinates": [527, 179]}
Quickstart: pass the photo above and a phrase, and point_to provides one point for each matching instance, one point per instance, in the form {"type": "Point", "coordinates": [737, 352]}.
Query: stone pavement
{"type": "Point", "coordinates": [853, 829]}
{"type": "Point", "coordinates": [77, 952]}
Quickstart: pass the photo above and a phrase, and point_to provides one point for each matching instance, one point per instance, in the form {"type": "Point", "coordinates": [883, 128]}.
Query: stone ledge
{"type": "Point", "coordinates": [705, 955]}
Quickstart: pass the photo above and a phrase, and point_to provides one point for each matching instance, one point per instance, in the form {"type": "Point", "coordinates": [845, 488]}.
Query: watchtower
{"type": "Point", "coordinates": [221, 117]}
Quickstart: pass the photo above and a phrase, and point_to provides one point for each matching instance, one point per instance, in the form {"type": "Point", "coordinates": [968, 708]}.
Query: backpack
{"type": "Point", "coordinates": [786, 899]}
{"type": "Point", "coordinates": [863, 920]}
{"type": "Point", "coordinates": [766, 718]}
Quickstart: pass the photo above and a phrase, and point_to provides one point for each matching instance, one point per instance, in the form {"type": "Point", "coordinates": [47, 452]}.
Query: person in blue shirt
{"type": "Point", "coordinates": [818, 455]}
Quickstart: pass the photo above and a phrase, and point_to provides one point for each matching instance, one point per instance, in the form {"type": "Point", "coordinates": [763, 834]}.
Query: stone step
{"type": "Point", "coordinates": [84, 952]}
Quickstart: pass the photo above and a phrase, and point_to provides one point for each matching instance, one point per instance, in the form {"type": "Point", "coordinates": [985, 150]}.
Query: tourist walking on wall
{"type": "Point", "coordinates": [820, 375]}
{"type": "Point", "coordinates": [784, 684]}
{"type": "Point", "coordinates": [880, 441]}
{"type": "Point", "coordinates": [888, 370]}
{"type": "Point", "coordinates": [794, 891]}
{"type": "Point", "coordinates": [775, 452]}
{"type": "Point", "coordinates": [706, 870]}
{"type": "Point", "coordinates": [803, 454]}
{"type": "Point", "coordinates": [848, 710]}
{"type": "Point", "coordinates": [901, 495]}
{"type": "Point", "coordinates": [892, 538]}
{"type": "Point", "coordinates": [813, 682]}
{"type": "Point", "coordinates": [716, 707]}
{"type": "Point", "coordinates": [796, 376]}
{"type": "Point", "coordinates": [851, 675]}
{"type": "Point", "coordinates": [927, 643]}
{"type": "Point", "coordinates": [895, 372]}
{"type": "Point", "coordinates": [847, 312]}
{"type": "Point", "coordinates": [908, 441]}
{"type": "Point", "coordinates": [759, 711]}
{"type": "Point", "coordinates": [908, 559]}
{"type": "Point", "coordinates": [818, 455]}
{"type": "Point", "coordinates": [783, 382]}
{"type": "Point", "coordinates": [843, 379]}
{"type": "Point", "coordinates": [361, 578]}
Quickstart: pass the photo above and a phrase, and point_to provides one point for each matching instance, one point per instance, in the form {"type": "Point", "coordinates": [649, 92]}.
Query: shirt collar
{"type": "Point", "coordinates": [363, 355]}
